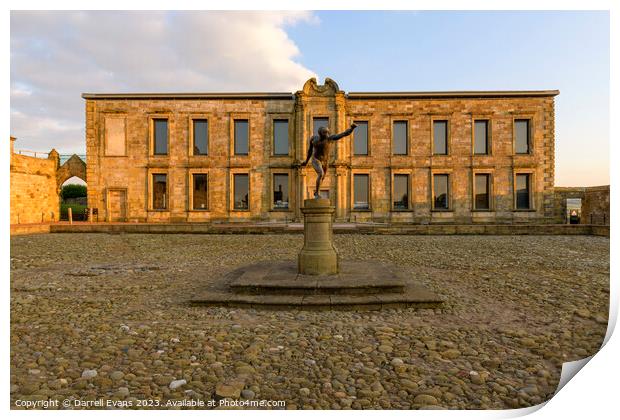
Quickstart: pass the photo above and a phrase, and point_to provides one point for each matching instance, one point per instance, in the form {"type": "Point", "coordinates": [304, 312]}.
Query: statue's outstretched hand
{"type": "Point", "coordinates": [353, 125]}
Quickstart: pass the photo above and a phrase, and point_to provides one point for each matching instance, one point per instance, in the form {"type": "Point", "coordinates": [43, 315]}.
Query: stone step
{"type": "Point", "coordinates": [320, 288]}
{"type": "Point", "coordinates": [416, 297]}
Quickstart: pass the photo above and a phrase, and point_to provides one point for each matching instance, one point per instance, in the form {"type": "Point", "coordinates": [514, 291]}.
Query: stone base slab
{"type": "Point", "coordinates": [360, 285]}
{"type": "Point", "coordinates": [354, 278]}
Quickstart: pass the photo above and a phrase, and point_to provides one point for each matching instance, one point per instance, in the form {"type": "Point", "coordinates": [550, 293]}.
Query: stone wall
{"type": "Point", "coordinates": [123, 182]}
{"type": "Point", "coordinates": [594, 203]}
{"type": "Point", "coordinates": [560, 196]}
{"type": "Point", "coordinates": [34, 191]}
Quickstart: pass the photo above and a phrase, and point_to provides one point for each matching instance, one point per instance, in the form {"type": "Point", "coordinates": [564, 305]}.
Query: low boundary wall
{"type": "Point", "coordinates": [115, 228]}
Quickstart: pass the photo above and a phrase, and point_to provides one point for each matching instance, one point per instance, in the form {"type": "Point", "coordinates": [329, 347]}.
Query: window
{"type": "Point", "coordinates": [160, 130]}
{"type": "Point", "coordinates": [522, 186]}
{"type": "Point", "coordinates": [441, 192]}
{"type": "Point", "coordinates": [399, 140]}
{"type": "Point", "coordinates": [241, 137]}
{"type": "Point", "coordinates": [522, 137]}
{"type": "Point", "coordinates": [160, 189]}
{"type": "Point", "coordinates": [481, 137]}
{"type": "Point", "coordinates": [481, 192]}
{"type": "Point", "coordinates": [360, 192]}
{"type": "Point", "coordinates": [401, 192]}
{"type": "Point", "coordinates": [115, 136]}
{"type": "Point", "coordinates": [241, 190]}
{"type": "Point", "coordinates": [360, 138]}
{"type": "Point", "coordinates": [318, 123]}
{"type": "Point", "coordinates": [201, 137]}
{"type": "Point", "coordinates": [280, 191]}
{"type": "Point", "coordinates": [200, 192]}
{"type": "Point", "coordinates": [280, 137]}
{"type": "Point", "coordinates": [440, 137]}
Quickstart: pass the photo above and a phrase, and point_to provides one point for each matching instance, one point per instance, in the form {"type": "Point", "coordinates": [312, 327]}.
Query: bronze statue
{"type": "Point", "coordinates": [318, 151]}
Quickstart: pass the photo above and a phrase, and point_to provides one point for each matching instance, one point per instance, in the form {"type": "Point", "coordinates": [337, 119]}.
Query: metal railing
{"type": "Point", "coordinates": [598, 218]}
{"type": "Point", "coordinates": [32, 153]}
{"type": "Point", "coordinates": [45, 155]}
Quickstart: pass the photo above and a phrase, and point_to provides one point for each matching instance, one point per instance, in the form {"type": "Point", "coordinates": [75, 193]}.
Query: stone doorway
{"type": "Point", "coordinates": [573, 211]}
{"type": "Point", "coordinates": [117, 205]}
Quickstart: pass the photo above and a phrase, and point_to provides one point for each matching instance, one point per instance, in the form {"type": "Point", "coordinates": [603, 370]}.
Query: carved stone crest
{"type": "Point", "coordinates": [311, 88]}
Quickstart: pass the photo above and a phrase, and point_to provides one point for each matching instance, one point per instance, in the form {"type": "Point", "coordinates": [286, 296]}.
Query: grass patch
{"type": "Point", "coordinates": [78, 211]}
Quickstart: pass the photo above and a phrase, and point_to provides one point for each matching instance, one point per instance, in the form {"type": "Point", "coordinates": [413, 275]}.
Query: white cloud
{"type": "Point", "coordinates": [55, 56]}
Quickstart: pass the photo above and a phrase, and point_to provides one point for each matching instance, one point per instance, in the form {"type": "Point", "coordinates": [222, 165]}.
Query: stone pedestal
{"type": "Point", "coordinates": [319, 280]}
{"type": "Point", "coordinates": [318, 256]}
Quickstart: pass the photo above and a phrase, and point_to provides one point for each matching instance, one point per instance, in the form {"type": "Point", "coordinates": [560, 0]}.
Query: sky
{"type": "Point", "coordinates": [56, 56]}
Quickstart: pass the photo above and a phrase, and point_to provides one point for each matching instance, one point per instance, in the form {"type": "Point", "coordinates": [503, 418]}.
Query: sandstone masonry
{"type": "Point", "coordinates": [594, 203]}
{"type": "Point", "coordinates": [35, 187]}
{"type": "Point", "coordinates": [129, 181]}
{"type": "Point", "coordinates": [34, 192]}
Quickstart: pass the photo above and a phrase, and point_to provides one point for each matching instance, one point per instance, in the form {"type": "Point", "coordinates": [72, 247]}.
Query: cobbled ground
{"type": "Point", "coordinates": [106, 317]}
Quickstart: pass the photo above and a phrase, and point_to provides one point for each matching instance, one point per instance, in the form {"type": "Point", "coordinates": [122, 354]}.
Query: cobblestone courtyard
{"type": "Point", "coordinates": [106, 316]}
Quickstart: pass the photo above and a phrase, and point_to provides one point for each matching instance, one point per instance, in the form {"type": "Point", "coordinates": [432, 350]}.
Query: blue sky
{"type": "Point", "coordinates": [55, 56]}
{"type": "Point", "coordinates": [418, 51]}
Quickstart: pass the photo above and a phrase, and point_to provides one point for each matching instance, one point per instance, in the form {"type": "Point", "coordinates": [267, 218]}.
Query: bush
{"type": "Point", "coordinates": [73, 191]}
{"type": "Point", "coordinates": [77, 210]}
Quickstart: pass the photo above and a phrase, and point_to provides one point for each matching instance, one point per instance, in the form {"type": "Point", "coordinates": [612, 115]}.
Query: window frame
{"type": "Point", "coordinates": [272, 131]}
{"type": "Point", "coordinates": [234, 139]}
{"type": "Point", "coordinates": [151, 184]}
{"type": "Point", "coordinates": [445, 119]}
{"type": "Point", "coordinates": [490, 187]}
{"type": "Point", "coordinates": [368, 148]}
{"type": "Point", "coordinates": [152, 119]}
{"type": "Point", "coordinates": [531, 183]}
{"type": "Point", "coordinates": [407, 122]}
{"type": "Point", "coordinates": [409, 175]}
{"type": "Point", "coordinates": [273, 174]}
{"type": "Point", "coordinates": [118, 116]}
{"type": "Point", "coordinates": [530, 131]}
{"type": "Point", "coordinates": [198, 117]}
{"type": "Point", "coordinates": [231, 194]}
{"type": "Point", "coordinates": [352, 186]}
{"type": "Point", "coordinates": [489, 131]}
{"type": "Point", "coordinates": [190, 194]}
{"type": "Point", "coordinates": [449, 173]}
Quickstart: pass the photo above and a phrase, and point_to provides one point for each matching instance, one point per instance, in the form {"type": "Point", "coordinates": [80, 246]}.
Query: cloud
{"type": "Point", "coordinates": [55, 56]}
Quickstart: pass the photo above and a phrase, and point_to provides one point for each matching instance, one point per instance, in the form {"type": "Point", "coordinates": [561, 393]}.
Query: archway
{"type": "Point", "coordinates": [73, 167]}
{"type": "Point", "coordinates": [71, 181]}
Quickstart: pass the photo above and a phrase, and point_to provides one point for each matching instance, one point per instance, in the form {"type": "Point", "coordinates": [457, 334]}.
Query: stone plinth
{"type": "Point", "coordinates": [359, 285]}
{"type": "Point", "coordinates": [318, 256]}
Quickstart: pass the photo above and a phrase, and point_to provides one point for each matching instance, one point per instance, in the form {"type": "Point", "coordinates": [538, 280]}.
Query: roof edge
{"type": "Point", "coordinates": [350, 95]}
{"type": "Point", "coordinates": [454, 94]}
{"type": "Point", "coordinates": [219, 95]}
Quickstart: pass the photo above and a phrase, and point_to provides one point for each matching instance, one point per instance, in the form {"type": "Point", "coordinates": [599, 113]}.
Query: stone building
{"type": "Point", "coordinates": [416, 157]}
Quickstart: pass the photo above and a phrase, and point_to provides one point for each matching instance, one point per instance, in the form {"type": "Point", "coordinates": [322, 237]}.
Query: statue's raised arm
{"type": "Point", "coordinates": [345, 133]}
